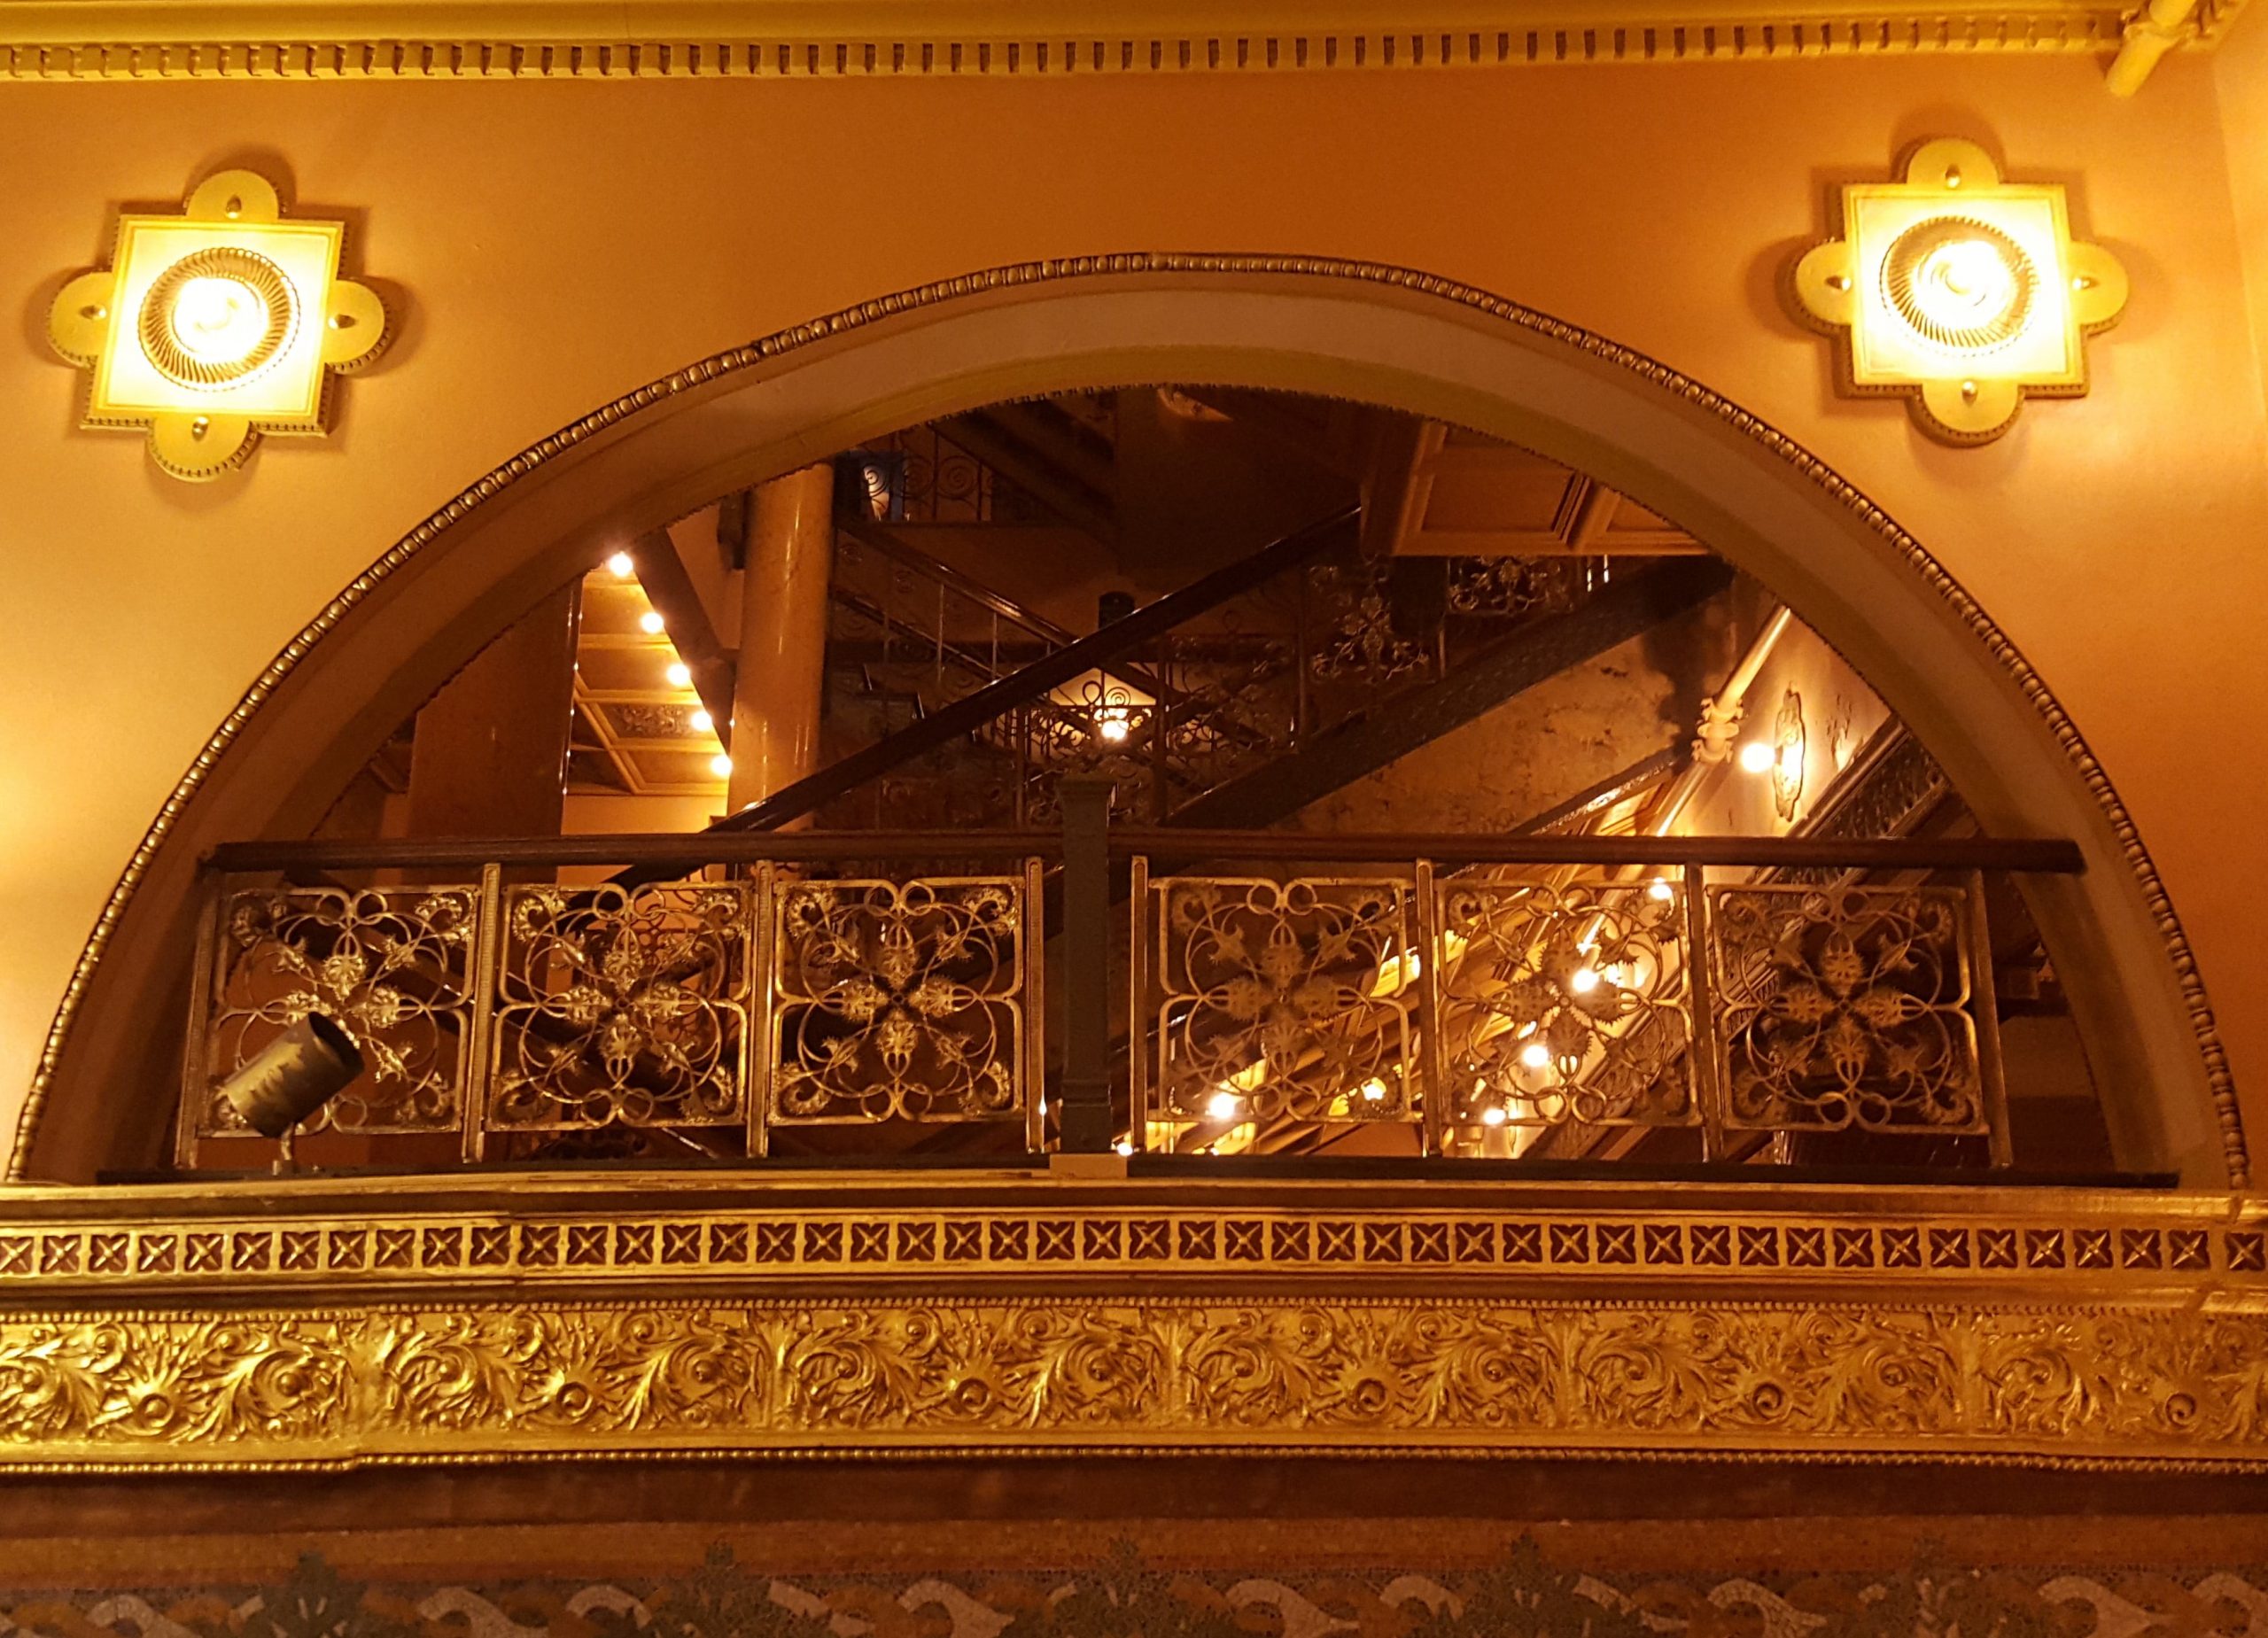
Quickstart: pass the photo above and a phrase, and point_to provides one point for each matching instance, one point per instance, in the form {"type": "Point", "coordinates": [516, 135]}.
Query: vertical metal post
{"type": "Point", "coordinates": [759, 1056]}
{"type": "Point", "coordinates": [1985, 1005]}
{"type": "Point", "coordinates": [196, 1051]}
{"type": "Point", "coordinates": [1301, 708]}
{"type": "Point", "coordinates": [1432, 1083]}
{"type": "Point", "coordinates": [1161, 721]}
{"type": "Point", "coordinates": [756, 1049]}
{"type": "Point", "coordinates": [1032, 947]}
{"type": "Point", "coordinates": [1138, 1005]}
{"type": "Point", "coordinates": [1707, 1046]}
{"type": "Point", "coordinates": [1084, 1124]}
{"type": "Point", "coordinates": [488, 959]}
{"type": "Point", "coordinates": [1022, 731]}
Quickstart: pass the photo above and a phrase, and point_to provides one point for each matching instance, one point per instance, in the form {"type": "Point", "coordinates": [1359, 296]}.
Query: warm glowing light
{"type": "Point", "coordinates": [1661, 892]}
{"type": "Point", "coordinates": [1492, 1115]}
{"type": "Point", "coordinates": [1757, 757]}
{"type": "Point", "coordinates": [702, 722]}
{"type": "Point", "coordinates": [1535, 1055]}
{"type": "Point", "coordinates": [219, 321]}
{"type": "Point", "coordinates": [721, 765]}
{"type": "Point", "coordinates": [1111, 723]}
{"type": "Point", "coordinates": [1124, 1146]}
{"type": "Point", "coordinates": [1962, 284]}
{"type": "Point", "coordinates": [680, 675]}
{"type": "Point", "coordinates": [650, 623]}
{"type": "Point", "coordinates": [1374, 1091]}
{"type": "Point", "coordinates": [1224, 1107]}
{"type": "Point", "coordinates": [1583, 981]}
{"type": "Point", "coordinates": [620, 566]}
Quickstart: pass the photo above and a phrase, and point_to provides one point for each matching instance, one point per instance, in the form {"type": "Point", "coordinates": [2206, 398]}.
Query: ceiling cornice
{"type": "Point", "coordinates": [136, 40]}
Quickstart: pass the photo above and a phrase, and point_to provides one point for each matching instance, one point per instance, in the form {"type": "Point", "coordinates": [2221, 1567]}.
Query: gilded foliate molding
{"type": "Point", "coordinates": [410, 1385]}
{"type": "Point", "coordinates": [1350, 274]}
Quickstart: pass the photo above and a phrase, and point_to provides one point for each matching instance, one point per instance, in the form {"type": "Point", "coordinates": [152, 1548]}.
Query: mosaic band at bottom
{"type": "Point", "coordinates": [434, 1384]}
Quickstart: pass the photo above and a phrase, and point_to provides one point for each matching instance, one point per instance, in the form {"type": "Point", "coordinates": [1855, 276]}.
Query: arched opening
{"type": "Point", "coordinates": [1449, 356]}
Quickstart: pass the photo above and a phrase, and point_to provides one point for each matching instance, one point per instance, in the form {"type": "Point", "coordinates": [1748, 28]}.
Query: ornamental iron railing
{"type": "Point", "coordinates": [887, 995]}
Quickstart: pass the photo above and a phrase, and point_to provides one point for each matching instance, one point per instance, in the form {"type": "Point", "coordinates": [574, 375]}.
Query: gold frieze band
{"type": "Point", "coordinates": [2048, 1256]}
{"type": "Point", "coordinates": [89, 1390]}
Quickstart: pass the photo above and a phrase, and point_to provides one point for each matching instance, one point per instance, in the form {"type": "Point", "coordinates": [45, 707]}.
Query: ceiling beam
{"type": "Point", "coordinates": [1397, 482]}
{"type": "Point", "coordinates": [669, 588]}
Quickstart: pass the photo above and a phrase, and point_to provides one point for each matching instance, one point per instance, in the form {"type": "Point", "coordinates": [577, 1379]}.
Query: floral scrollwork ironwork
{"type": "Point", "coordinates": [1287, 1000]}
{"type": "Point", "coordinates": [1567, 1003]}
{"type": "Point", "coordinates": [390, 965]}
{"type": "Point", "coordinates": [1512, 588]}
{"type": "Point", "coordinates": [1358, 642]}
{"type": "Point", "coordinates": [899, 1000]}
{"type": "Point", "coordinates": [621, 1007]}
{"type": "Point", "coordinates": [1849, 1007]}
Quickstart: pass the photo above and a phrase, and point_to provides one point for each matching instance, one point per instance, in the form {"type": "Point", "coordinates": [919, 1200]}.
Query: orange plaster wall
{"type": "Point", "coordinates": [562, 244]}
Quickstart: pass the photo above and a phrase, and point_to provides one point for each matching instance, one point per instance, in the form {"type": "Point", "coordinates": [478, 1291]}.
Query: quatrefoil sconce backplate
{"type": "Point", "coordinates": [217, 325]}
{"type": "Point", "coordinates": [1961, 291]}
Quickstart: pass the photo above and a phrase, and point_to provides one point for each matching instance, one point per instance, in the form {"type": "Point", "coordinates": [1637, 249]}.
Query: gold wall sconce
{"type": "Point", "coordinates": [217, 325]}
{"type": "Point", "coordinates": [1961, 291]}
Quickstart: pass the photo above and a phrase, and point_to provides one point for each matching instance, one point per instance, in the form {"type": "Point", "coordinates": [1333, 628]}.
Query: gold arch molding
{"type": "Point", "coordinates": [1347, 328]}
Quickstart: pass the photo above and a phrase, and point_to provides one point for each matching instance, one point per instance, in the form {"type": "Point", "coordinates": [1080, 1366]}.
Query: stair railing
{"type": "Point", "coordinates": [1106, 650]}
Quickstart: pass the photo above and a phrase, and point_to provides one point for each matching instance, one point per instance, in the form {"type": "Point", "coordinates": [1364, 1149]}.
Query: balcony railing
{"type": "Point", "coordinates": [933, 996]}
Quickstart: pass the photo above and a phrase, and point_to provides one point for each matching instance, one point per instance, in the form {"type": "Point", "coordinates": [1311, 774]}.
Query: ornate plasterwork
{"type": "Point", "coordinates": [217, 324]}
{"type": "Point", "coordinates": [396, 1243]}
{"type": "Point", "coordinates": [583, 39]}
{"type": "Point", "coordinates": [1353, 274]}
{"type": "Point", "coordinates": [414, 1384]}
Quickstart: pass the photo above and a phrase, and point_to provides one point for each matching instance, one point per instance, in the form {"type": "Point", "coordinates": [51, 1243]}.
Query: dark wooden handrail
{"type": "Point", "coordinates": [1096, 653]}
{"type": "Point", "coordinates": [2022, 854]}
{"type": "Point", "coordinates": [2019, 855]}
{"type": "Point", "coordinates": [674, 851]}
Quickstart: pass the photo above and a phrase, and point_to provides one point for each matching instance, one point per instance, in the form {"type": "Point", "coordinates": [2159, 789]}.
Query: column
{"type": "Point", "coordinates": [490, 755]}
{"type": "Point", "coordinates": [783, 634]}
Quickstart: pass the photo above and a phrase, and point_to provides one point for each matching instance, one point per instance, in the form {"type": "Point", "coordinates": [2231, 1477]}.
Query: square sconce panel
{"type": "Point", "coordinates": [215, 326]}
{"type": "Point", "coordinates": [1962, 291]}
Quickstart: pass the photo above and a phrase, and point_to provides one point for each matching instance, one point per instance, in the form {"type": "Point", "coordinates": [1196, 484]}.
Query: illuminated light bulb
{"type": "Point", "coordinates": [219, 321]}
{"type": "Point", "coordinates": [1111, 723]}
{"type": "Point", "coordinates": [1583, 981]}
{"type": "Point", "coordinates": [650, 623]}
{"type": "Point", "coordinates": [680, 675]}
{"type": "Point", "coordinates": [1535, 1055]}
{"type": "Point", "coordinates": [1224, 1107]}
{"type": "Point", "coordinates": [1123, 1146]}
{"type": "Point", "coordinates": [1661, 892]}
{"type": "Point", "coordinates": [620, 566]}
{"type": "Point", "coordinates": [702, 722]}
{"type": "Point", "coordinates": [721, 765]}
{"type": "Point", "coordinates": [1492, 1115]}
{"type": "Point", "coordinates": [1757, 757]}
{"type": "Point", "coordinates": [1374, 1090]}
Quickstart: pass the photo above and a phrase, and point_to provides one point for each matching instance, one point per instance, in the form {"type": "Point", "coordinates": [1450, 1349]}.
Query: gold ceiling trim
{"type": "Point", "coordinates": [416, 1385]}
{"type": "Point", "coordinates": [2220, 1082]}
{"type": "Point", "coordinates": [585, 39]}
